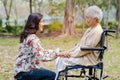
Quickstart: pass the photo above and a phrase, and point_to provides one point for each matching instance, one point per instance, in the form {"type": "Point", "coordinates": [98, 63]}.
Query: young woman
{"type": "Point", "coordinates": [27, 66]}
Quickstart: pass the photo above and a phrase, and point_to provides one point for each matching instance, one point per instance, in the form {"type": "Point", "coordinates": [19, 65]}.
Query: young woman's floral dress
{"type": "Point", "coordinates": [30, 53]}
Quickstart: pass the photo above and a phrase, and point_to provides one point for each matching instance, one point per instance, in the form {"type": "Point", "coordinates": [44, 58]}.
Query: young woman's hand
{"type": "Point", "coordinates": [64, 54]}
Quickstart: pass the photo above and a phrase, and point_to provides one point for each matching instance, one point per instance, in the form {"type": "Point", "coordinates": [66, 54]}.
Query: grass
{"type": "Point", "coordinates": [9, 48]}
{"type": "Point", "coordinates": [112, 60]}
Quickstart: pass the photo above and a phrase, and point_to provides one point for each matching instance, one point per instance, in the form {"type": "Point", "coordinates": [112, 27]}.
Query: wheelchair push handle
{"type": "Point", "coordinates": [111, 31]}
{"type": "Point", "coordinates": [108, 31]}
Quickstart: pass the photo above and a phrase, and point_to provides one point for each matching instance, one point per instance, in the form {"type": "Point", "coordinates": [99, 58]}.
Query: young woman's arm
{"type": "Point", "coordinates": [41, 53]}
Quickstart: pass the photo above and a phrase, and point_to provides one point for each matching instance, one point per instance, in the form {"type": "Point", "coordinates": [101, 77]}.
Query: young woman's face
{"type": "Point", "coordinates": [41, 26]}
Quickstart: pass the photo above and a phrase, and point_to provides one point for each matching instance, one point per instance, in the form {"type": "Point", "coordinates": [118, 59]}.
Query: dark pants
{"type": "Point", "coordinates": [36, 74]}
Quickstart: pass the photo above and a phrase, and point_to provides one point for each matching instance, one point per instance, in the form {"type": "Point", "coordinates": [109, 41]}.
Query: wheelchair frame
{"type": "Point", "coordinates": [91, 69]}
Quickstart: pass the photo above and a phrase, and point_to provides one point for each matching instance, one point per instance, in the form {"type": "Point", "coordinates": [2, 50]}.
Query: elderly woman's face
{"type": "Point", "coordinates": [91, 21]}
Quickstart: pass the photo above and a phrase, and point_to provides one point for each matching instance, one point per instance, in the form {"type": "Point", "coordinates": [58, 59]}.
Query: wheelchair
{"type": "Point", "coordinates": [89, 72]}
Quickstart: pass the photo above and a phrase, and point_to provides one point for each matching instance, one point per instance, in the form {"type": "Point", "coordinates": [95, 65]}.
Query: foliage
{"type": "Point", "coordinates": [55, 26]}
{"type": "Point", "coordinates": [102, 23]}
{"type": "Point", "coordinates": [81, 25]}
{"type": "Point", "coordinates": [0, 22]}
{"type": "Point", "coordinates": [112, 25]}
{"type": "Point", "coordinates": [15, 30]}
{"type": "Point", "coordinates": [0, 29]}
{"type": "Point", "coordinates": [56, 8]}
{"type": "Point", "coordinates": [0, 25]}
{"type": "Point", "coordinates": [8, 28]}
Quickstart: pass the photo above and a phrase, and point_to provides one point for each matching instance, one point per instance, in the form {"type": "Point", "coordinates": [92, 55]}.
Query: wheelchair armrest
{"type": "Point", "coordinates": [93, 49]}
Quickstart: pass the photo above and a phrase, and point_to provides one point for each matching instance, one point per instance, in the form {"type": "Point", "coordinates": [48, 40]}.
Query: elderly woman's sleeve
{"type": "Point", "coordinates": [41, 53]}
{"type": "Point", "coordinates": [90, 42]}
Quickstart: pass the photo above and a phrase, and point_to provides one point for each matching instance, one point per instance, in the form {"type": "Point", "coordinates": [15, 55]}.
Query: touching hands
{"type": "Point", "coordinates": [64, 54]}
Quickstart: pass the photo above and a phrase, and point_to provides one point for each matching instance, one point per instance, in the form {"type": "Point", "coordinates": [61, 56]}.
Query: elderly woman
{"type": "Point", "coordinates": [90, 38]}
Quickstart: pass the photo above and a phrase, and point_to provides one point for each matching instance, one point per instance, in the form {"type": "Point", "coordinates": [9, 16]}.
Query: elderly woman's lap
{"type": "Point", "coordinates": [61, 63]}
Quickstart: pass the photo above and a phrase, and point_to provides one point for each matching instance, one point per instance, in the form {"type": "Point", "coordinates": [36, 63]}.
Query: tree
{"type": "Point", "coordinates": [69, 25]}
{"type": "Point", "coordinates": [15, 11]}
{"type": "Point", "coordinates": [108, 11]}
{"type": "Point", "coordinates": [7, 7]}
{"type": "Point", "coordinates": [80, 7]}
{"type": "Point", "coordinates": [30, 6]}
{"type": "Point", "coordinates": [115, 3]}
{"type": "Point", "coordinates": [57, 8]}
{"type": "Point", "coordinates": [118, 18]}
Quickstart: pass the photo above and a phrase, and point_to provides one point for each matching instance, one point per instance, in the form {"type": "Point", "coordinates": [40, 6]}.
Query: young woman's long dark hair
{"type": "Point", "coordinates": [32, 25]}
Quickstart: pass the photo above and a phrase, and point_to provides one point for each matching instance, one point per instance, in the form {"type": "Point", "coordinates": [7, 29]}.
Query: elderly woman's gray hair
{"type": "Point", "coordinates": [95, 12]}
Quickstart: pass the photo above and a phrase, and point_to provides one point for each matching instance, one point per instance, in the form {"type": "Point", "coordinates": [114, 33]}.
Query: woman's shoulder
{"type": "Point", "coordinates": [32, 37]}
{"type": "Point", "coordinates": [98, 28]}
